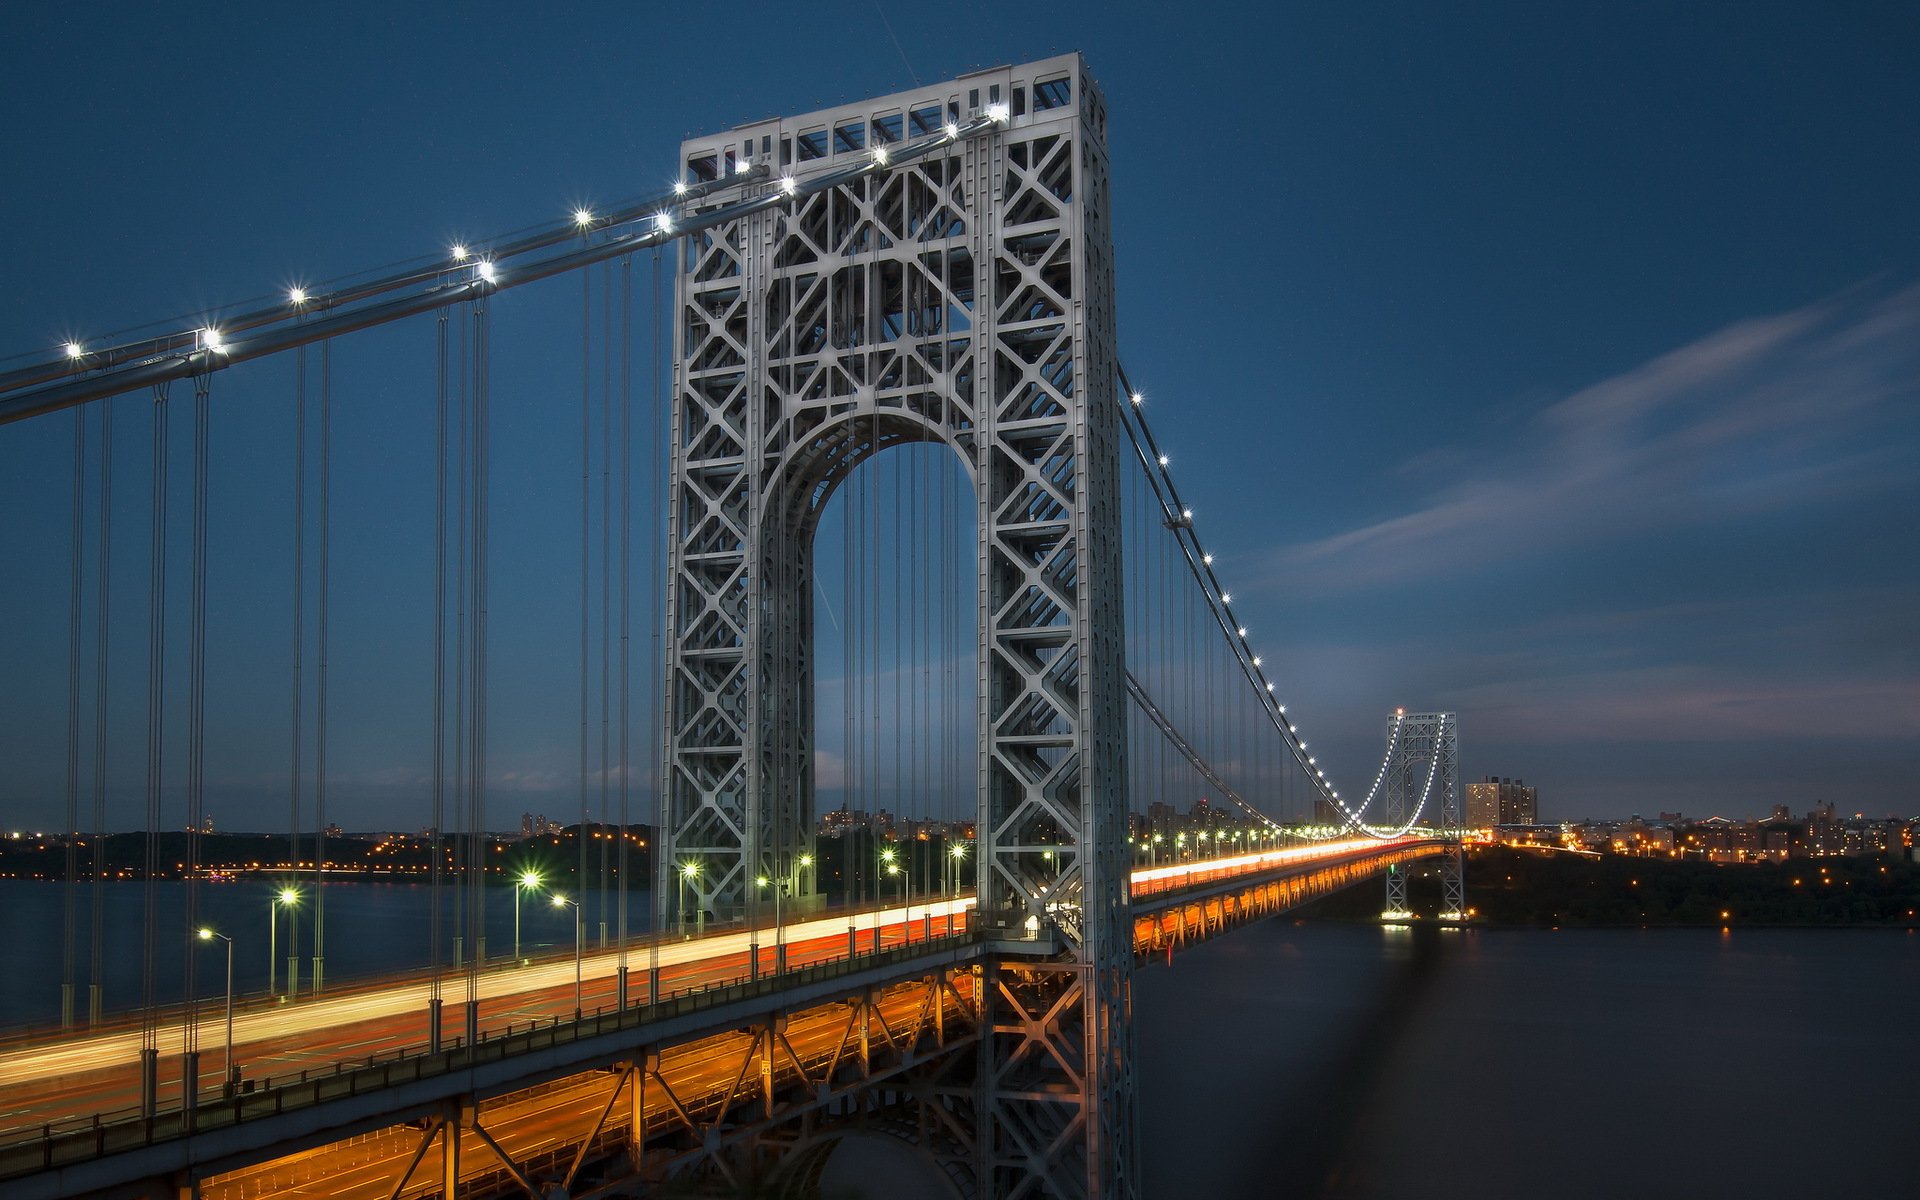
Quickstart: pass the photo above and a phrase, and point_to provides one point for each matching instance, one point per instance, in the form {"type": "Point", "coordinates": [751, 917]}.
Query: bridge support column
{"type": "Point", "coordinates": [647, 1064]}
{"type": "Point", "coordinates": [434, 1007]}
{"type": "Point", "coordinates": [189, 1088]}
{"type": "Point", "coordinates": [149, 1082]}
{"type": "Point", "coordinates": [450, 1151]}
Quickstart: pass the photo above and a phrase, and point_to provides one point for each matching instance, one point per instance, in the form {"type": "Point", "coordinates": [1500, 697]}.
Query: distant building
{"type": "Point", "coordinates": [1497, 801]}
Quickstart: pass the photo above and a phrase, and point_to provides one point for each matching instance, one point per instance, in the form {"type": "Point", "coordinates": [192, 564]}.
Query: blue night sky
{"type": "Point", "coordinates": [1555, 364]}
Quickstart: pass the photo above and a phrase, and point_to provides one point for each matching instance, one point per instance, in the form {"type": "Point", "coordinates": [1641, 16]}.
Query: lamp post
{"type": "Point", "coordinates": [690, 871]}
{"type": "Point", "coordinates": [1153, 851]}
{"type": "Point", "coordinates": [233, 1068]}
{"type": "Point", "coordinates": [894, 867]}
{"type": "Point", "coordinates": [958, 854]}
{"type": "Point", "coordinates": [560, 901]}
{"type": "Point", "coordinates": [528, 881]}
{"type": "Point", "coordinates": [289, 897]}
{"type": "Point", "coordinates": [889, 865]}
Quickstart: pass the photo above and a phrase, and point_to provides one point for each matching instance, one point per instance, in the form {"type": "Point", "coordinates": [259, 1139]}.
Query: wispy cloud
{"type": "Point", "coordinates": [1765, 415]}
{"type": "Point", "coordinates": [1691, 704]}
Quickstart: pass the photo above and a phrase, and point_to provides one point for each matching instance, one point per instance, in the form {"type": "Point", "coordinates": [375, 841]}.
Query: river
{"type": "Point", "coordinates": [1320, 1059]}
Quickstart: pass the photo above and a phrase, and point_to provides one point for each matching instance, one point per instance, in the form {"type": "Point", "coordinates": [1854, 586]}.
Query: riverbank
{"type": "Point", "coordinates": [1529, 888]}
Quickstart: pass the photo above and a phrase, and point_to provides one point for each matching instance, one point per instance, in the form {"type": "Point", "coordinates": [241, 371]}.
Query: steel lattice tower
{"type": "Point", "coordinates": [1423, 766]}
{"type": "Point", "coordinates": [963, 297]}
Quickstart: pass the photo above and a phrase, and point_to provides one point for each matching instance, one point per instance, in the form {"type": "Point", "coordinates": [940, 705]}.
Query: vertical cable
{"type": "Point", "coordinates": [657, 516]}
{"type": "Point", "coordinates": [626, 621]}
{"type": "Point", "coordinates": [477, 708]}
{"type": "Point", "coordinates": [299, 729]}
{"type": "Point", "coordinates": [606, 573]}
{"type": "Point", "coordinates": [439, 799]}
{"type": "Point", "coordinates": [196, 703]}
{"type": "Point", "coordinates": [462, 593]}
{"type": "Point", "coordinates": [69, 957]}
{"type": "Point", "coordinates": [320, 656]}
{"type": "Point", "coordinates": [586, 464]}
{"type": "Point", "coordinates": [156, 727]}
{"type": "Point", "coordinates": [96, 942]}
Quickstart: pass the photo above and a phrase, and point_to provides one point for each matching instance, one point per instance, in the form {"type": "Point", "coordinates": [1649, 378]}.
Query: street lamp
{"type": "Point", "coordinates": [560, 901]}
{"type": "Point", "coordinates": [288, 896]}
{"type": "Point", "coordinates": [528, 881]}
{"type": "Point", "coordinates": [689, 872]}
{"type": "Point", "coordinates": [1153, 851]}
{"type": "Point", "coordinates": [906, 897]}
{"type": "Point", "coordinates": [233, 1068]}
{"type": "Point", "coordinates": [958, 854]}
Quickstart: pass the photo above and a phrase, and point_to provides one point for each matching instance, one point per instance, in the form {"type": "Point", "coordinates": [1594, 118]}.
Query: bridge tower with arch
{"type": "Point", "coordinates": [963, 298]}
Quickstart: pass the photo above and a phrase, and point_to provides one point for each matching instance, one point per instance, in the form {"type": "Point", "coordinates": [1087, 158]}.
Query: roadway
{"type": "Point", "coordinates": [67, 1082]}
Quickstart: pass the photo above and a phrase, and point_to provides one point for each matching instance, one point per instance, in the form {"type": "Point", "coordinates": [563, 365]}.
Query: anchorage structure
{"type": "Point", "coordinates": [1423, 779]}
{"type": "Point", "coordinates": [960, 294]}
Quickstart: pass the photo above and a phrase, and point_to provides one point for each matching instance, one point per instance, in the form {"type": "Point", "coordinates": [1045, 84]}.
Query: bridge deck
{"type": "Point", "coordinates": [352, 1065]}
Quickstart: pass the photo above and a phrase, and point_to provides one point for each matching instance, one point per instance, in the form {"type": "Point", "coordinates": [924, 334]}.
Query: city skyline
{"type": "Point", "coordinates": [1600, 440]}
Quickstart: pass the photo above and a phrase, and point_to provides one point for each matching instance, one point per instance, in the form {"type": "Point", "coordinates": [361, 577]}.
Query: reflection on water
{"type": "Point", "coordinates": [1336, 1060]}
{"type": "Point", "coordinates": [371, 928]}
{"type": "Point", "coordinates": [1352, 1061]}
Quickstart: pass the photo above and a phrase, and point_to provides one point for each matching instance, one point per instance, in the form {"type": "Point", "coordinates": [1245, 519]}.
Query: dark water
{"type": "Point", "coordinates": [371, 929]}
{"type": "Point", "coordinates": [1330, 1060]}
{"type": "Point", "coordinates": [1351, 1061]}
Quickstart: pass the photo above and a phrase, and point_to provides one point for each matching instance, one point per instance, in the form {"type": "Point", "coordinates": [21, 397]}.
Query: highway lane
{"type": "Point", "coordinates": [68, 1080]}
{"type": "Point", "coordinates": [76, 1079]}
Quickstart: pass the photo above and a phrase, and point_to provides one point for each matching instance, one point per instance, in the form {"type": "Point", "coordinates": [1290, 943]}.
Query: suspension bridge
{"type": "Point", "coordinates": [858, 457]}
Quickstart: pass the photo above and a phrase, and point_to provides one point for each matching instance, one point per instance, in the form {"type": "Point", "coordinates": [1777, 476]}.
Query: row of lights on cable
{"type": "Point", "coordinates": [210, 338]}
{"type": "Point", "coordinates": [1226, 600]}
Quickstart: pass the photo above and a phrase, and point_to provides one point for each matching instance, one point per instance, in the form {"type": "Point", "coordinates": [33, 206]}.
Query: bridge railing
{"type": "Point", "coordinates": [80, 1139]}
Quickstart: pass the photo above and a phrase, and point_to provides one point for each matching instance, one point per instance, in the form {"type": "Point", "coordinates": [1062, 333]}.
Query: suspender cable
{"type": "Point", "coordinates": [299, 729]}
{"type": "Point", "coordinates": [606, 573]}
{"type": "Point", "coordinates": [320, 689]}
{"type": "Point", "coordinates": [156, 748]}
{"type": "Point", "coordinates": [439, 797]}
{"type": "Point", "coordinates": [586, 559]}
{"type": "Point", "coordinates": [97, 942]}
{"type": "Point", "coordinates": [71, 893]}
{"type": "Point", "coordinates": [658, 507]}
{"type": "Point", "coordinates": [626, 621]}
{"type": "Point", "coordinates": [477, 710]}
{"type": "Point", "coordinates": [463, 593]}
{"type": "Point", "coordinates": [196, 724]}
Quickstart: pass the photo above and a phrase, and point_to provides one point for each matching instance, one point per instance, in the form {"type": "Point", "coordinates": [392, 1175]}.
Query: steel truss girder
{"type": "Point", "coordinates": [963, 299]}
{"type": "Point", "coordinates": [703, 1105]}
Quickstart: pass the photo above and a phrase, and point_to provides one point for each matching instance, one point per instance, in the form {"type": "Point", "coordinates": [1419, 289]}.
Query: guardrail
{"type": "Point", "coordinates": [53, 1145]}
